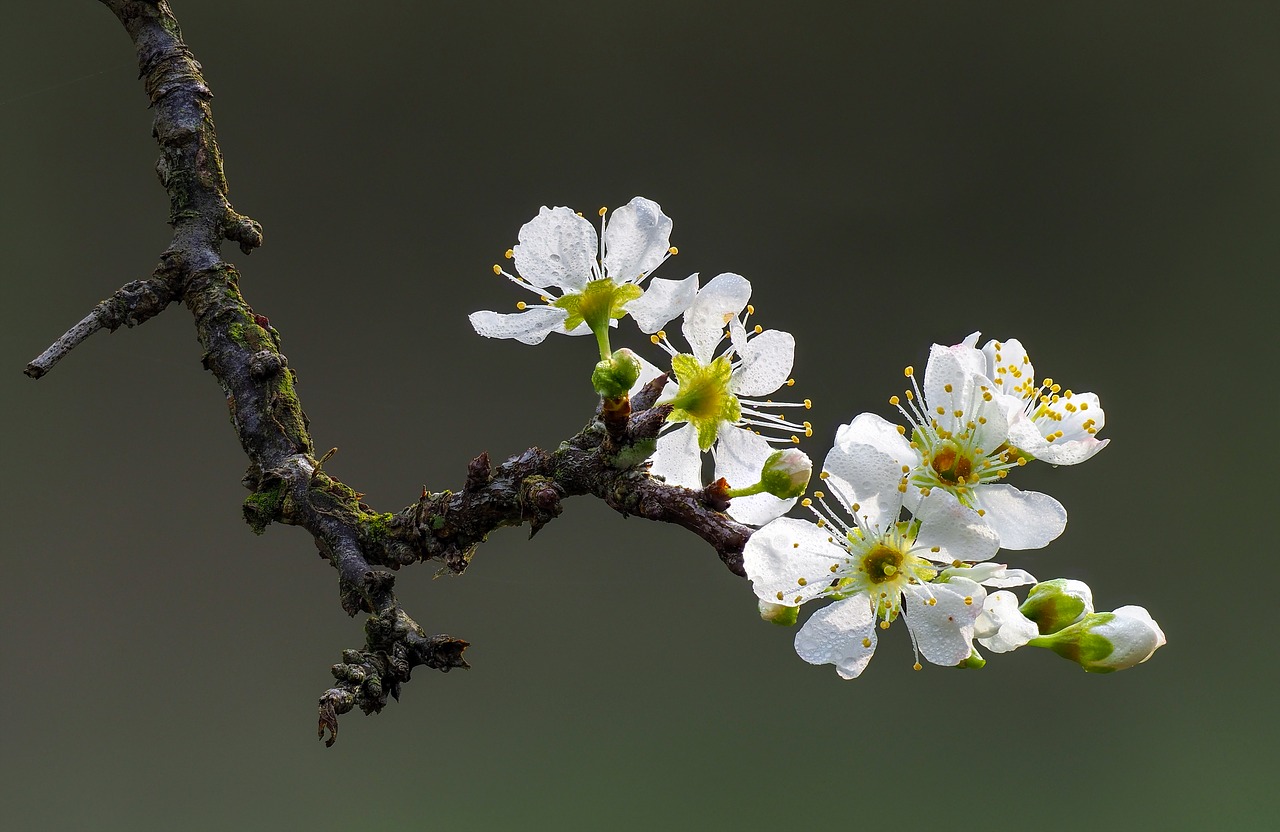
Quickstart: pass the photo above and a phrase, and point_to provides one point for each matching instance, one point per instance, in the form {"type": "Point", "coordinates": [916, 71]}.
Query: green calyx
{"type": "Point", "coordinates": [599, 302]}
{"type": "Point", "coordinates": [974, 662]}
{"type": "Point", "coordinates": [1079, 644]}
{"type": "Point", "coordinates": [614, 376]}
{"type": "Point", "coordinates": [1051, 608]}
{"type": "Point", "coordinates": [703, 398]}
{"type": "Point", "coordinates": [779, 614]}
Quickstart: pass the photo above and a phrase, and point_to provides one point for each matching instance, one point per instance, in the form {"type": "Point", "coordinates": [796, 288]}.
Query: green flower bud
{"type": "Point", "coordinates": [779, 614]}
{"type": "Point", "coordinates": [1103, 642]}
{"type": "Point", "coordinates": [785, 475]}
{"type": "Point", "coordinates": [1056, 604]}
{"type": "Point", "coordinates": [615, 376]}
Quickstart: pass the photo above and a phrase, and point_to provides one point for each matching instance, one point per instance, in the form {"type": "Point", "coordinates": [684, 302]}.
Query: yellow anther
{"type": "Point", "coordinates": [866, 642]}
{"type": "Point", "coordinates": [509, 254]}
{"type": "Point", "coordinates": [798, 599]}
{"type": "Point", "coordinates": [947, 388]}
{"type": "Point", "coordinates": [957, 413]}
{"type": "Point", "coordinates": [808, 404]}
{"type": "Point", "coordinates": [910, 395]}
{"type": "Point", "coordinates": [823, 475]}
{"type": "Point", "coordinates": [818, 495]}
{"type": "Point", "coordinates": [986, 397]}
{"type": "Point", "coordinates": [982, 512]}
{"type": "Point", "coordinates": [806, 502]}
{"type": "Point", "coordinates": [941, 411]}
{"type": "Point", "coordinates": [1084, 405]}
{"type": "Point", "coordinates": [779, 596]}
{"type": "Point", "coordinates": [797, 546]}
{"type": "Point", "coordinates": [1048, 382]}
{"type": "Point", "coordinates": [968, 599]}
{"type": "Point", "coordinates": [901, 430]}
{"type": "Point", "coordinates": [802, 581]}
{"type": "Point", "coordinates": [758, 329]}
{"type": "Point", "coordinates": [1022, 460]}
{"type": "Point", "coordinates": [791, 382]}
{"type": "Point", "coordinates": [521, 305]}
{"type": "Point", "coordinates": [673, 250]}
{"type": "Point", "coordinates": [956, 563]}
{"type": "Point", "coordinates": [856, 507]}
{"type": "Point", "coordinates": [1003, 473]}
{"type": "Point", "coordinates": [834, 569]}
{"type": "Point", "coordinates": [906, 469]}
{"type": "Point", "coordinates": [603, 211]}
{"type": "Point", "coordinates": [907, 371]}
{"type": "Point", "coordinates": [751, 310]}
{"type": "Point", "coordinates": [884, 625]}
{"type": "Point", "coordinates": [902, 486]}
{"type": "Point", "coordinates": [933, 602]}
{"type": "Point", "coordinates": [497, 269]}
{"type": "Point", "coordinates": [894, 400]}
{"type": "Point", "coordinates": [795, 440]}
{"type": "Point", "coordinates": [916, 666]}
{"type": "Point", "coordinates": [579, 213]}
{"type": "Point", "coordinates": [925, 491]}
{"type": "Point", "coordinates": [808, 432]}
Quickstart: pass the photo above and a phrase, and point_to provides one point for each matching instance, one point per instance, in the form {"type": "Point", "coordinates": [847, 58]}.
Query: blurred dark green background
{"type": "Point", "coordinates": [1100, 180]}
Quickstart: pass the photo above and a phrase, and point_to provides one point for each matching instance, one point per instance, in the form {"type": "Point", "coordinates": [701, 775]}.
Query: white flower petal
{"type": "Point", "coordinates": [991, 574]}
{"type": "Point", "coordinates": [723, 298]}
{"type": "Point", "coordinates": [528, 327]}
{"type": "Point", "coordinates": [740, 455]}
{"type": "Point", "coordinates": [789, 561]}
{"type": "Point", "coordinates": [766, 363]}
{"type": "Point", "coordinates": [1023, 519]}
{"type": "Point", "coordinates": [662, 301]}
{"type": "Point", "coordinates": [950, 365]}
{"type": "Point", "coordinates": [957, 532]}
{"type": "Point", "coordinates": [943, 631]}
{"type": "Point", "coordinates": [1135, 634]}
{"type": "Point", "coordinates": [1001, 627]}
{"type": "Point", "coordinates": [870, 429]}
{"type": "Point", "coordinates": [843, 634]}
{"type": "Point", "coordinates": [557, 248]}
{"type": "Point", "coordinates": [677, 458]}
{"type": "Point", "coordinates": [868, 477]}
{"type": "Point", "coordinates": [1009, 367]}
{"type": "Point", "coordinates": [637, 237]}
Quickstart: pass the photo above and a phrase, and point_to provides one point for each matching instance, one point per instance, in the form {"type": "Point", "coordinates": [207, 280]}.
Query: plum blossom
{"type": "Point", "coordinates": [715, 395]}
{"type": "Point", "coordinates": [876, 567]}
{"type": "Point", "coordinates": [957, 442]}
{"type": "Point", "coordinates": [587, 282]}
{"type": "Point", "coordinates": [1049, 423]}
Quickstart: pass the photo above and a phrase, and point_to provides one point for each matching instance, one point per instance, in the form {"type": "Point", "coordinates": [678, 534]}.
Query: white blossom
{"type": "Point", "coordinates": [956, 441]}
{"type": "Point", "coordinates": [1048, 422]}
{"type": "Point", "coordinates": [877, 567]}
{"type": "Point", "coordinates": [585, 282]}
{"type": "Point", "coordinates": [715, 391]}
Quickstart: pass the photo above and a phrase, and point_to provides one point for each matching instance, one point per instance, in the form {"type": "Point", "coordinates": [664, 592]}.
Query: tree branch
{"type": "Point", "coordinates": [288, 485]}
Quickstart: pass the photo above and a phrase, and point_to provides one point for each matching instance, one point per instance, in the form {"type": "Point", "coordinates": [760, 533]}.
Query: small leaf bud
{"type": "Point", "coordinates": [1056, 604]}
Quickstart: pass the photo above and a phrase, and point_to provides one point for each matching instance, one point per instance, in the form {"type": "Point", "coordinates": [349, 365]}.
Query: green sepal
{"type": "Point", "coordinates": [703, 398]}
{"type": "Point", "coordinates": [974, 662]}
{"type": "Point", "coordinates": [1079, 644]}
{"type": "Point", "coordinates": [599, 302]}
{"type": "Point", "coordinates": [779, 614]}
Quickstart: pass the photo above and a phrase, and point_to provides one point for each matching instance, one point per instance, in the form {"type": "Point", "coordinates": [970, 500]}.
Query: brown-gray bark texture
{"type": "Point", "coordinates": [288, 483]}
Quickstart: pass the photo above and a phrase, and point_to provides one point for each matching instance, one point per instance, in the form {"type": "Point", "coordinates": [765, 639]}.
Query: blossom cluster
{"type": "Point", "coordinates": [979, 414]}
{"type": "Point", "coordinates": [912, 514]}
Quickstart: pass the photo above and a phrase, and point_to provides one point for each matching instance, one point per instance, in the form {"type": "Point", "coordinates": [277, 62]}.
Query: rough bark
{"type": "Point", "coordinates": [288, 483]}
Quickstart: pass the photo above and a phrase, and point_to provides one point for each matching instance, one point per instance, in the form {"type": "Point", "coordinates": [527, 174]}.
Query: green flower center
{"type": "Point", "coordinates": [703, 398]}
{"type": "Point", "coordinates": [597, 303]}
{"type": "Point", "coordinates": [882, 564]}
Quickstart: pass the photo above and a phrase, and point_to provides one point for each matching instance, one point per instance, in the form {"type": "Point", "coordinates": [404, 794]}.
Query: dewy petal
{"type": "Point", "coordinates": [723, 298]}
{"type": "Point", "coordinates": [957, 532]}
{"type": "Point", "coordinates": [636, 239]}
{"type": "Point", "coordinates": [677, 458]}
{"type": "Point", "coordinates": [557, 248]}
{"type": "Point", "coordinates": [843, 634]}
{"type": "Point", "coordinates": [869, 477]}
{"type": "Point", "coordinates": [943, 631]}
{"type": "Point", "coordinates": [662, 301]}
{"type": "Point", "coordinates": [789, 561]}
{"type": "Point", "coordinates": [766, 363]}
{"type": "Point", "coordinates": [1001, 627]}
{"type": "Point", "coordinates": [1023, 519]}
{"type": "Point", "coordinates": [950, 365]}
{"type": "Point", "coordinates": [528, 327]}
{"type": "Point", "coordinates": [870, 429]}
{"type": "Point", "coordinates": [740, 456]}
